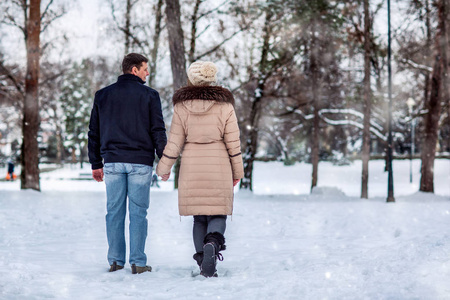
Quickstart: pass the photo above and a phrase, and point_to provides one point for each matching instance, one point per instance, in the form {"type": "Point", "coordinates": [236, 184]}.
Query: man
{"type": "Point", "coordinates": [155, 181]}
{"type": "Point", "coordinates": [125, 130]}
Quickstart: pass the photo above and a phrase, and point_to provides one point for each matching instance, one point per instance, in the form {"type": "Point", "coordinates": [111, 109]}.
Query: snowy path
{"type": "Point", "coordinates": [328, 245]}
{"type": "Point", "coordinates": [53, 245]}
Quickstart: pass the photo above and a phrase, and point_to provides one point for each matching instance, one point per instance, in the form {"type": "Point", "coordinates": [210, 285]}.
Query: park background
{"type": "Point", "coordinates": [319, 124]}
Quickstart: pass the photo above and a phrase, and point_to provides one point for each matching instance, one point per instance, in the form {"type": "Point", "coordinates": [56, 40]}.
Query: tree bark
{"type": "Point", "coordinates": [427, 49]}
{"type": "Point", "coordinates": [59, 145]}
{"type": "Point", "coordinates": [30, 156]}
{"type": "Point", "coordinates": [177, 55]}
{"type": "Point", "coordinates": [365, 153]}
{"type": "Point", "coordinates": [314, 71]}
{"type": "Point", "coordinates": [154, 53]}
{"type": "Point", "coordinates": [446, 56]}
{"type": "Point", "coordinates": [127, 27]}
{"type": "Point", "coordinates": [194, 31]}
{"type": "Point", "coordinates": [176, 44]}
{"type": "Point", "coordinates": [434, 106]}
{"type": "Point", "coordinates": [255, 112]}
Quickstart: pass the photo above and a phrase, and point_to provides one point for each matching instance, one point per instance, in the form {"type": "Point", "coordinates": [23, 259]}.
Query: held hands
{"type": "Point", "coordinates": [165, 177]}
{"type": "Point", "coordinates": [235, 181]}
{"type": "Point", "coordinates": [98, 175]}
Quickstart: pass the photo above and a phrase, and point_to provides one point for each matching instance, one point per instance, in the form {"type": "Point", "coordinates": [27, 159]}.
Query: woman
{"type": "Point", "coordinates": [204, 127]}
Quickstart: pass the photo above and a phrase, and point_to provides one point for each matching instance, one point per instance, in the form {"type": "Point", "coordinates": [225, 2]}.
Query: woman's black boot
{"type": "Point", "coordinates": [213, 243]}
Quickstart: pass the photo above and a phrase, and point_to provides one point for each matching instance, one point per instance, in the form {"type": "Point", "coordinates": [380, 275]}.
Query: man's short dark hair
{"type": "Point", "coordinates": [132, 60]}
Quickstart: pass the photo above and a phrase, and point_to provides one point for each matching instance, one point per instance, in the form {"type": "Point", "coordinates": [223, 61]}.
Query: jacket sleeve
{"type": "Point", "coordinates": [95, 158]}
{"type": "Point", "coordinates": [157, 126]}
{"type": "Point", "coordinates": [174, 146]}
{"type": "Point", "coordinates": [232, 141]}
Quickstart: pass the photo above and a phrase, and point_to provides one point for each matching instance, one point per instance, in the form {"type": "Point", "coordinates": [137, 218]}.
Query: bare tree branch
{"type": "Point", "coordinates": [12, 78]}
{"type": "Point", "coordinates": [11, 21]}
{"type": "Point", "coordinates": [203, 31]}
{"type": "Point", "coordinates": [46, 10]}
{"type": "Point", "coordinates": [212, 10]}
{"type": "Point", "coordinates": [194, 20]}
{"type": "Point", "coordinates": [136, 41]}
{"type": "Point", "coordinates": [56, 16]}
{"type": "Point", "coordinates": [222, 43]}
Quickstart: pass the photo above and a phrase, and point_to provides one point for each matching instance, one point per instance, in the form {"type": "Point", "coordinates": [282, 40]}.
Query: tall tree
{"type": "Point", "coordinates": [321, 36]}
{"type": "Point", "coordinates": [177, 54]}
{"type": "Point", "coordinates": [27, 17]}
{"type": "Point", "coordinates": [365, 153]}
{"type": "Point", "coordinates": [433, 105]}
{"type": "Point", "coordinates": [127, 28]}
{"type": "Point", "coordinates": [156, 38]}
{"type": "Point", "coordinates": [76, 98]}
{"type": "Point", "coordinates": [30, 151]}
{"type": "Point", "coordinates": [314, 70]}
{"type": "Point", "coordinates": [255, 112]}
{"type": "Point", "coordinates": [176, 44]}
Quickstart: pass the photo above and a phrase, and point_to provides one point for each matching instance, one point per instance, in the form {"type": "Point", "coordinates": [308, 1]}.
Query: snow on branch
{"type": "Point", "coordinates": [350, 112]}
{"type": "Point", "coordinates": [416, 65]}
{"type": "Point", "coordinates": [375, 128]}
{"type": "Point", "coordinates": [354, 123]}
{"type": "Point", "coordinates": [306, 117]}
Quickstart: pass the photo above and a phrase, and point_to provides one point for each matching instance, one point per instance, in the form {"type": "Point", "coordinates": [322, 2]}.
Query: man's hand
{"type": "Point", "coordinates": [235, 181]}
{"type": "Point", "coordinates": [98, 175]}
{"type": "Point", "coordinates": [165, 177]}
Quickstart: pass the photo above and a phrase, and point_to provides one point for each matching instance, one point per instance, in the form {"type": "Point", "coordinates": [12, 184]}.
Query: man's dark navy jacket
{"type": "Point", "coordinates": [126, 124]}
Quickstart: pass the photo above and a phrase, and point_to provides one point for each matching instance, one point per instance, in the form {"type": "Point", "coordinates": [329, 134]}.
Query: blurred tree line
{"type": "Point", "coordinates": [309, 77]}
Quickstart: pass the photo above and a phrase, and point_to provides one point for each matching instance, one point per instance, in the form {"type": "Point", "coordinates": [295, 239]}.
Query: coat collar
{"type": "Point", "coordinates": [215, 93]}
{"type": "Point", "coordinates": [130, 77]}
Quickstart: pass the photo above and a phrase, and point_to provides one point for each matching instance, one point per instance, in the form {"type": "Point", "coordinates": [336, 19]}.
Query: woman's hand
{"type": "Point", "coordinates": [235, 181]}
{"type": "Point", "coordinates": [165, 177]}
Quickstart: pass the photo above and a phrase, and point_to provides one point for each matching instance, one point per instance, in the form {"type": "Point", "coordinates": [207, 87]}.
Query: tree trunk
{"type": "Point", "coordinates": [30, 162]}
{"type": "Point", "coordinates": [154, 54]}
{"type": "Point", "coordinates": [194, 31]}
{"type": "Point", "coordinates": [59, 145]}
{"type": "Point", "coordinates": [177, 52]}
{"type": "Point", "coordinates": [83, 152]}
{"type": "Point", "coordinates": [127, 27]}
{"type": "Point", "coordinates": [446, 56]}
{"type": "Point", "coordinates": [176, 44]}
{"type": "Point", "coordinates": [429, 44]}
{"type": "Point", "coordinates": [255, 112]}
{"type": "Point", "coordinates": [434, 107]}
{"type": "Point", "coordinates": [314, 70]}
{"type": "Point", "coordinates": [365, 153]}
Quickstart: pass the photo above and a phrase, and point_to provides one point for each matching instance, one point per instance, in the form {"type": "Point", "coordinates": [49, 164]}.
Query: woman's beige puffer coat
{"type": "Point", "coordinates": [205, 129]}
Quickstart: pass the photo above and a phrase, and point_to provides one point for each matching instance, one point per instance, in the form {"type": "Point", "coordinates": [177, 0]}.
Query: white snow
{"type": "Point", "coordinates": [283, 243]}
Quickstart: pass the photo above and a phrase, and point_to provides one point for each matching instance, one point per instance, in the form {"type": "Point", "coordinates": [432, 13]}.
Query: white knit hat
{"type": "Point", "coordinates": [202, 73]}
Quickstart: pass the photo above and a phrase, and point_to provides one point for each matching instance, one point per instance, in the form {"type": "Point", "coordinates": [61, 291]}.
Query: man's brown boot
{"type": "Point", "coordinates": [138, 270]}
{"type": "Point", "coordinates": [115, 267]}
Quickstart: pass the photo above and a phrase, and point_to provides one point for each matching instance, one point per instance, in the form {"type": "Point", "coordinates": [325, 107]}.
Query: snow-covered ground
{"type": "Point", "coordinates": [282, 242]}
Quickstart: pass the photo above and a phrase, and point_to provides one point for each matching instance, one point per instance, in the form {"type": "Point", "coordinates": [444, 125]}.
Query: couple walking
{"type": "Point", "coordinates": [127, 128]}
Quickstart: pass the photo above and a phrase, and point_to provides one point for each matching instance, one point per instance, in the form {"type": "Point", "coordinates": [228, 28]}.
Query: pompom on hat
{"type": "Point", "coordinates": [202, 73]}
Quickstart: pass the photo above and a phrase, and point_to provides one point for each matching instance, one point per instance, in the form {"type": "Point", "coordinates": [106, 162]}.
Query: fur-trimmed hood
{"type": "Point", "coordinates": [214, 93]}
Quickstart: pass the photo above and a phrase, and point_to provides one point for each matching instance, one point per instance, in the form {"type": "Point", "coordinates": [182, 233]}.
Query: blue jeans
{"type": "Point", "coordinates": [122, 180]}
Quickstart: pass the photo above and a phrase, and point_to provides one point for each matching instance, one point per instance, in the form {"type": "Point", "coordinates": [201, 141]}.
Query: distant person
{"type": "Point", "coordinates": [155, 180]}
{"type": "Point", "coordinates": [125, 130]}
{"type": "Point", "coordinates": [10, 174]}
{"type": "Point", "coordinates": [205, 126]}
{"type": "Point", "coordinates": [73, 163]}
